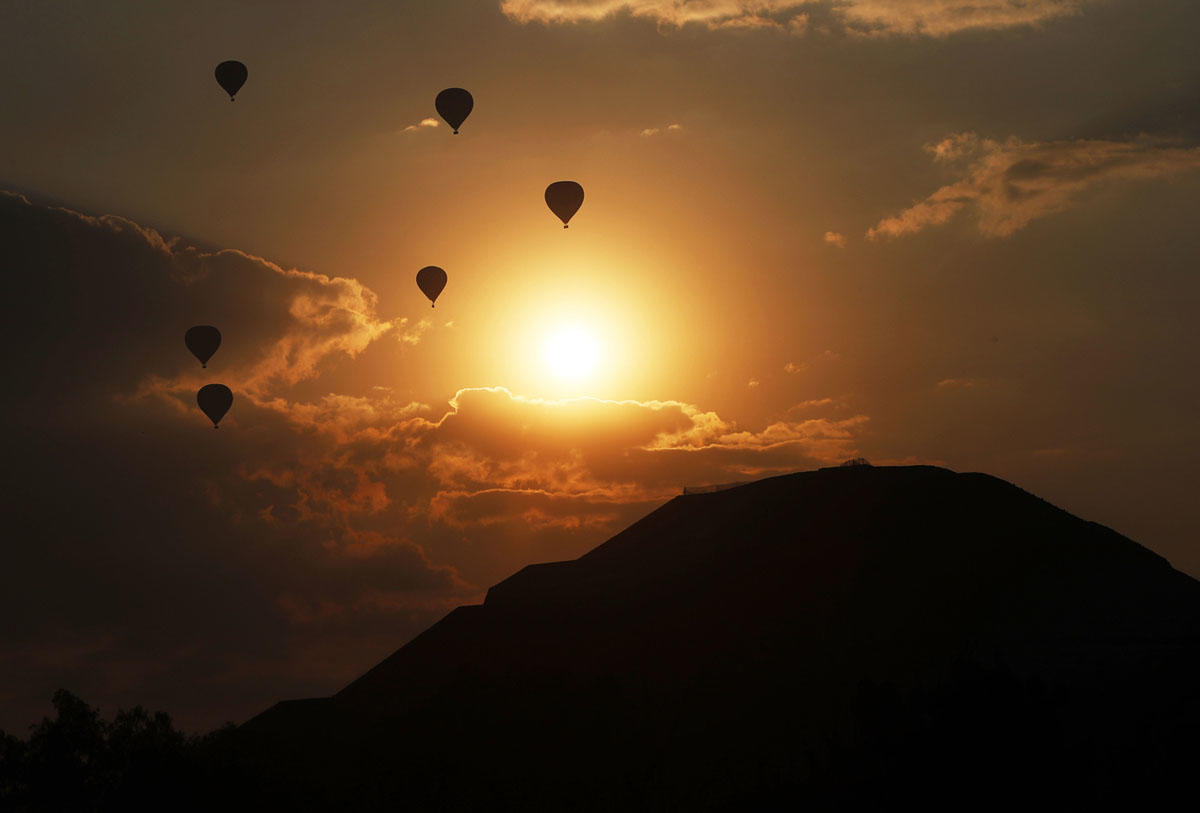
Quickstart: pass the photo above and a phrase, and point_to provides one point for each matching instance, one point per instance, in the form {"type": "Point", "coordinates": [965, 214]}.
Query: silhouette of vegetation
{"type": "Point", "coordinates": [982, 739]}
{"type": "Point", "coordinates": [78, 761]}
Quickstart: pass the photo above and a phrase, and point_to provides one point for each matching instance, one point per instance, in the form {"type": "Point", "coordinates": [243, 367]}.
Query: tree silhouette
{"type": "Point", "coordinates": [77, 761]}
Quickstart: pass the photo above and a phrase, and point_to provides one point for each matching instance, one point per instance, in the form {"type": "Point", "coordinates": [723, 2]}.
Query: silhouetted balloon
{"type": "Point", "coordinates": [214, 400]}
{"type": "Point", "coordinates": [231, 75]}
{"type": "Point", "coordinates": [564, 199]}
{"type": "Point", "coordinates": [454, 105]}
{"type": "Point", "coordinates": [431, 280]}
{"type": "Point", "coordinates": [203, 341]}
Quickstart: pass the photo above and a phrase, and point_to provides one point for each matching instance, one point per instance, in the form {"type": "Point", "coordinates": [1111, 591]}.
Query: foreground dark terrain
{"type": "Point", "coordinates": [845, 639]}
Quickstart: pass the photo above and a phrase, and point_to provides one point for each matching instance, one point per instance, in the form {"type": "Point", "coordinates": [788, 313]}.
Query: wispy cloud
{"type": "Point", "coordinates": [816, 403]}
{"type": "Point", "coordinates": [670, 129]}
{"type": "Point", "coordinates": [412, 334]}
{"type": "Point", "coordinates": [1008, 184]}
{"type": "Point", "coordinates": [959, 383]}
{"type": "Point", "coordinates": [800, 366]}
{"type": "Point", "coordinates": [903, 17]}
{"type": "Point", "coordinates": [941, 17]}
{"type": "Point", "coordinates": [588, 448]}
{"type": "Point", "coordinates": [835, 238]}
{"type": "Point", "coordinates": [423, 124]}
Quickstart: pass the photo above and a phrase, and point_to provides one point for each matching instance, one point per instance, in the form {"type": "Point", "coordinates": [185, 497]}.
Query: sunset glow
{"type": "Point", "coordinates": [948, 232]}
{"type": "Point", "coordinates": [571, 351]}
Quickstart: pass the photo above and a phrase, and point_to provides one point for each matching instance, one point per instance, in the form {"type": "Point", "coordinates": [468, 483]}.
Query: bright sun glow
{"type": "Point", "coordinates": [571, 352]}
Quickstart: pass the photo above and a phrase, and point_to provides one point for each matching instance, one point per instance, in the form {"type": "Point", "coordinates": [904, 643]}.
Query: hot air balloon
{"type": "Point", "coordinates": [231, 75]}
{"type": "Point", "coordinates": [564, 199]}
{"type": "Point", "coordinates": [431, 280]}
{"type": "Point", "coordinates": [203, 341]}
{"type": "Point", "coordinates": [214, 400]}
{"type": "Point", "coordinates": [454, 105]}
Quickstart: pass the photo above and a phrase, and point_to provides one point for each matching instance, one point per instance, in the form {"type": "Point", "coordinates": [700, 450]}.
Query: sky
{"type": "Point", "coordinates": [956, 232]}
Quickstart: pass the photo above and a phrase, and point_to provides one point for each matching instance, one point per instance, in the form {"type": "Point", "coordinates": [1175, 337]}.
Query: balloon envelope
{"type": "Point", "coordinates": [214, 400]}
{"type": "Point", "coordinates": [564, 199]}
{"type": "Point", "coordinates": [231, 75]}
{"type": "Point", "coordinates": [203, 341]}
{"type": "Point", "coordinates": [431, 280]}
{"type": "Point", "coordinates": [454, 105]}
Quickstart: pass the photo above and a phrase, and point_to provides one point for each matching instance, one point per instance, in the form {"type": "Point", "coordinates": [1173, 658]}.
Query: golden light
{"type": "Point", "coordinates": [581, 319]}
{"type": "Point", "coordinates": [571, 351]}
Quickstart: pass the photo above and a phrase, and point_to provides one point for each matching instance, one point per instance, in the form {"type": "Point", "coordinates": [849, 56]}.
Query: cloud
{"type": "Point", "coordinates": [825, 356]}
{"type": "Point", "coordinates": [412, 336]}
{"type": "Point", "coordinates": [900, 17]}
{"type": "Point", "coordinates": [753, 383]}
{"type": "Point", "coordinates": [942, 17]}
{"type": "Point", "coordinates": [585, 446]}
{"type": "Point", "coordinates": [182, 566]}
{"type": "Point", "coordinates": [815, 403]}
{"type": "Point", "coordinates": [1008, 184]}
{"type": "Point", "coordinates": [317, 530]}
{"type": "Point", "coordinates": [834, 238]}
{"type": "Point", "coordinates": [297, 320]}
{"type": "Point", "coordinates": [670, 129]}
{"type": "Point", "coordinates": [500, 459]}
{"type": "Point", "coordinates": [959, 383]}
{"type": "Point", "coordinates": [423, 124]}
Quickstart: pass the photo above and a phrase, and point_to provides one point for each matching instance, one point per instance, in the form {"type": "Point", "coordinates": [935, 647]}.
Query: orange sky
{"type": "Point", "coordinates": [913, 230]}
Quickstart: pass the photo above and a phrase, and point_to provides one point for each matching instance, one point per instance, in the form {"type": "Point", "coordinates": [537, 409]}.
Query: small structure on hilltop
{"type": "Point", "coordinates": [858, 461]}
{"type": "Point", "coordinates": [711, 489]}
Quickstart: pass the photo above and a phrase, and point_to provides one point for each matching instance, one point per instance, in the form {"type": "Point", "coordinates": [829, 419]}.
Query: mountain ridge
{"type": "Point", "coordinates": [755, 617]}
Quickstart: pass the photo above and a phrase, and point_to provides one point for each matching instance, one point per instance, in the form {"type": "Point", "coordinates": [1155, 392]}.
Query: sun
{"type": "Point", "coordinates": [571, 352]}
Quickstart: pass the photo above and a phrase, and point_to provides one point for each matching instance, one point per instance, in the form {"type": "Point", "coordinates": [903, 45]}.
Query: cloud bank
{"type": "Point", "coordinates": [898, 17]}
{"type": "Point", "coordinates": [311, 535]}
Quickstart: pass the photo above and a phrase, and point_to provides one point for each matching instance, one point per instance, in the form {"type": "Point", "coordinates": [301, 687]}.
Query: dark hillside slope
{"type": "Point", "coordinates": [771, 641]}
{"type": "Point", "coordinates": [886, 566]}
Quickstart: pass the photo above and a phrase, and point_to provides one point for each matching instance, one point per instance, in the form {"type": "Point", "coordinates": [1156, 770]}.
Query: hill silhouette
{"type": "Point", "coordinates": [848, 637]}
{"type": "Point", "coordinates": [858, 638]}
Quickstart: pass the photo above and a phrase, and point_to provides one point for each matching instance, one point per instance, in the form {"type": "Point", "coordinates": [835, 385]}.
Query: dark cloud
{"type": "Point", "coordinates": [156, 560]}
{"type": "Point", "coordinates": [149, 550]}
